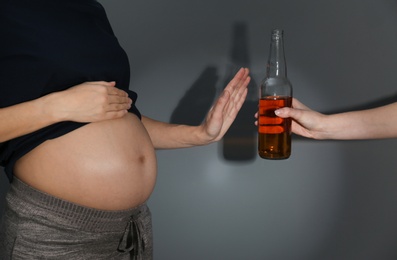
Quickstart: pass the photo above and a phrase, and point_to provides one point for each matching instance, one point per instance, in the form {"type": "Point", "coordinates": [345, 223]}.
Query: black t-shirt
{"type": "Point", "coordinates": [48, 46]}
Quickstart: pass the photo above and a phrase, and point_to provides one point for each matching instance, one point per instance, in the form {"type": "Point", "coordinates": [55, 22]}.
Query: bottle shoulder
{"type": "Point", "coordinates": [276, 87]}
{"type": "Point", "coordinates": [276, 81]}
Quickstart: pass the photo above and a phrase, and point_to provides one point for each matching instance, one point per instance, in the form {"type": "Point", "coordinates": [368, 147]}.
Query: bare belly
{"type": "Point", "coordinates": [109, 165]}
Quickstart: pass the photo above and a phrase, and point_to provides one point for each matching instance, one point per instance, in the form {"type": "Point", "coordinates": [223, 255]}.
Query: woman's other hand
{"type": "Point", "coordinates": [91, 102]}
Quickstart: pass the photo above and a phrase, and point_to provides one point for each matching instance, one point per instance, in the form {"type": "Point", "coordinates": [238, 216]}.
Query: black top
{"type": "Point", "coordinates": [48, 46]}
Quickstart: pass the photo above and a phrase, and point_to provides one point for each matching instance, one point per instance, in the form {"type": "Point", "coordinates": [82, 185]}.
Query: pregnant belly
{"type": "Point", "coordinates": [109, 165]}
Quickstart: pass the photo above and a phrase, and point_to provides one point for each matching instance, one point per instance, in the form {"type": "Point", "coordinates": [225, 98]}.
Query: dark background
{"type": "Point", "coordinates": [331, 199]}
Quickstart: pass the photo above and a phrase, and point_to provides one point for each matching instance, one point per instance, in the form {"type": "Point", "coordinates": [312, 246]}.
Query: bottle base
{"type": "Point", "coordinates": [274, 156]}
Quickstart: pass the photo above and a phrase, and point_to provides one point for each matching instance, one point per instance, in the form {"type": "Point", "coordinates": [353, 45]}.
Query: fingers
{"type": "Point", "coordinates": [240, 90]}
{"type": "Point", "coordinates": [239, 82]}
{"type": "Point", "coordinates": [285, 112]}
{"type": "Point", "coordinates": [221, 104]}
{"type": "Point", "coordinates": [237, 89]}
{"type": "Point", "coordinates": [115, 114]}
{"type": "Point", "coordinates": [110, 87]}
{"type": "Point", "coordinates": [112, 90]}
{"type": "Point", "coordinates": [116, 101]}
{"type": "Point", "coordinates": [225, 110]}
{"type": "Point", "coordinates": [107, 84]}
{"type": "Point", "coordinates": [296, 112]}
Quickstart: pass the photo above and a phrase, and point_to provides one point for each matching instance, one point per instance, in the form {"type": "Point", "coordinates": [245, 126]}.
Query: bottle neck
{"type": "Point", "coordinates": [276, 65]}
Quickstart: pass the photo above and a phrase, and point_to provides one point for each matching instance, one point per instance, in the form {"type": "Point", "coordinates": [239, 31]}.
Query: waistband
{"type": "Point", "coordinates": [30, 201]}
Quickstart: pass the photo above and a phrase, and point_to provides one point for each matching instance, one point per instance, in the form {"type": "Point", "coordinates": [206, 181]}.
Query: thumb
{"type": "Point", "coordinates": [284, 112]}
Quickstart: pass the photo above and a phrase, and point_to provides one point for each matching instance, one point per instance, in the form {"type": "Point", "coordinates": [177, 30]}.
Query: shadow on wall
{"type": "Point", "coordinates": [194, 105]}
{"type": "Point", "coordinates": [239, 143]}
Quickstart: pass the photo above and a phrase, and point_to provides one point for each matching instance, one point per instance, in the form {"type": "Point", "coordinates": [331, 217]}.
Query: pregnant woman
{"type": "Point", "coordinates": [79, 155]}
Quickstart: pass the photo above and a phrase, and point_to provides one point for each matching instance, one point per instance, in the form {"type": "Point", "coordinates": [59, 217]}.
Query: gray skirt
{"type": "Point", "coordinates": [36, 225]}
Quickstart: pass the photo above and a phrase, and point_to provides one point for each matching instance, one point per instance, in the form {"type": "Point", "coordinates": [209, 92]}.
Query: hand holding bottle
{"type": "Point", "coordinates": [306, 122]}
{"type": "Point", "coordinates": [376, 123]}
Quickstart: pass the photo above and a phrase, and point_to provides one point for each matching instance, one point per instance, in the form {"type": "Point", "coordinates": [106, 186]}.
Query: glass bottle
{"type": "Point", "coordinates": [274, 133]}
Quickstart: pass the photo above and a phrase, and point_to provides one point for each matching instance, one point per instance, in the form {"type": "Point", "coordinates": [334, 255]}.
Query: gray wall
{"type": "Point", "coordinates": [330, 200]}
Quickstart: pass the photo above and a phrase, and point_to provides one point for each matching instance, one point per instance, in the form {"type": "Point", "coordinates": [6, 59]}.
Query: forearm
{"type": "Point", "coordinates": [25, 118]}
{"type": "Point", "coordinates": [374, 123]}
{"type": "Point", "coordinates": [172, 136]}
{"type": "Point", "coordinates": [217, 122]}
{"type": "Point", "coordinates": [86, 102]}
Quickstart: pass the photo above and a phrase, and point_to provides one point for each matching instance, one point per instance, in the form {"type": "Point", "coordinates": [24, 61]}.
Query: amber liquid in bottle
{"type": "Point", "coordinates": [274, 140]}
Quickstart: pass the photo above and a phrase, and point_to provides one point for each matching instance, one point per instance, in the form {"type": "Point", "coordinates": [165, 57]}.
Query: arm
{"type": "Point", "coordinates": [87, 102]}
{"type": "Point", "coordinates": [380, 122]}
{"type": "Point", "coordinates": [217, 122]}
